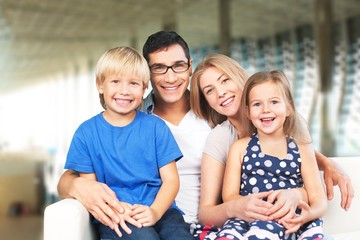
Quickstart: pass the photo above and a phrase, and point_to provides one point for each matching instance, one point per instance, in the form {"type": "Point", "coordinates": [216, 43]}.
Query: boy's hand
{"type": "Point", "coordinates": [125, 217]}
{"type": "Point", "coordinates": [145, 215]}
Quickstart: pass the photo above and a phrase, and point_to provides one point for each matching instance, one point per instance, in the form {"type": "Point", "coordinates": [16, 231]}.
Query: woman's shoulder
{"type": "Point", "coordinates": [224, 128]}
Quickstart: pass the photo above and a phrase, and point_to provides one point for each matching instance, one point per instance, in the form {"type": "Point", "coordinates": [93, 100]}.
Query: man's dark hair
{"type": "Point", "coordinates": [164, 39]}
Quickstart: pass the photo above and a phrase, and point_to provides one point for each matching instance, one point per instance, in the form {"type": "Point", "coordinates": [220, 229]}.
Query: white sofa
{"type": "Point", "coordinates": [68, 219]}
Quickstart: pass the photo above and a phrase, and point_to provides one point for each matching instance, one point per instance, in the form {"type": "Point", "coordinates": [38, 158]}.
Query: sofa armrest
{"type": "Point", "coordinates": [337, 221]}
{"type": "Point", "coordinates": [67, 219]}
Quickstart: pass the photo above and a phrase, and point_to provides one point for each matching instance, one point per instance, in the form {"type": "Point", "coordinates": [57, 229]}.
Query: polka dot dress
{"type": "Point", "coordinates": [261, 172]}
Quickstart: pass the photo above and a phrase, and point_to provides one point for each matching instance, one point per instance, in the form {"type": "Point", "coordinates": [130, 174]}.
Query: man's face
{"type": "Point", "coordinates": [170, 86]}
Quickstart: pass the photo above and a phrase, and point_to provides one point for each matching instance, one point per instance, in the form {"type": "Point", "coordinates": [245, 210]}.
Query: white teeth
{"type": "Point", "coordinates": [227, 101]}
{"type": "Point", "coordinates": [267, 119]}
{"type": "Point", "coordinates": [171, 88]}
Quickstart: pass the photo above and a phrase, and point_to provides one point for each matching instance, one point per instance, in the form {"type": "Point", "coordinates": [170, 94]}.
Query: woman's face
{"type": "Point", "coordinates": [221, 92]}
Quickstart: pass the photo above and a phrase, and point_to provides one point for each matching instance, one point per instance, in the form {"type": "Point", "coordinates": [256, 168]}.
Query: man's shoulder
{"type": "Point", "coordinates": [148, 103]}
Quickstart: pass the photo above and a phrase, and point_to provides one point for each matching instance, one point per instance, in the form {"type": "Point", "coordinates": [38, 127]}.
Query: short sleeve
{"type": "Point", "coordinates": [219, 141]}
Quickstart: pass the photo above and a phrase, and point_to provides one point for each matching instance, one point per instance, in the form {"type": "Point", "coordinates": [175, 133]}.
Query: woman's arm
{"type": "Point", "coordinates": [335, 175]}
{"type": "Point", "coordinates": [96, 197]}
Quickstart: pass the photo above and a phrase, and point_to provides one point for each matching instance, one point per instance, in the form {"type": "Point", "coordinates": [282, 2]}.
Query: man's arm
{"type": "Point", "coordinates": [335, 175]}
{"type": "Point", "coordinates": [96, 197]}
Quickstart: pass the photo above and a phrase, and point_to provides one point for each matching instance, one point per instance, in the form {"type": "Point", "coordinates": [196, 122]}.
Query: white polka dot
{"type": "Point", "coordinates": [266, 181]}
{"type": "Point", "coordinates": [253, 155]}
{"type": "Point", "coordinates": [249, 167]}
{"type": "Point", "coordinates": [270, 226]}
{"type": "Point", "coordinates": [261, 155]}
{"type": "Point", "coordinates": [278, 171]}
{"type": "Point", "coordinates": [289, 156]}
{"type": "Point", "coordinates": [255, 148]}
{"type": "Point", "coordinates": [260, 172]}
{"type": "Point", "coordinates": [257, 164]}
{"type": "Point", "coordinates": [246, 158]}
{"type": "Point", "coordinates": [268, 186]}
{"type": "Point", "coordinates": [282, 184]}
{"type": "Point", "coordinates": [252, 181]}
{"type": "Point", "coordinates": [255, 190]}
{"type": "Point", "coordinates": [292, 145]}
{"type": "Point", "coordinates": [287, 173]}
{"type": "Point", "coordinates": [292, 182]}
{"type": "Point", "coordinates": [273, 179]}
{"type": "Point", "coordinates": [268, 163]}
{"type": "Point", "coordinates": [293, 164]}
{"type": "Point", "coordinates": [282, 164]}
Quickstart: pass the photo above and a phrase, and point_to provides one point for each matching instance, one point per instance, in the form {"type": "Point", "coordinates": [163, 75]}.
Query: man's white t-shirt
{"type": "Point", "coordinates": [190, 135]}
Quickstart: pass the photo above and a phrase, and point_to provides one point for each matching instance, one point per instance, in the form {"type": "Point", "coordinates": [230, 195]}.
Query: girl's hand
{"type": "Point", "coordinates": [145, 215]}
{"type": "Point", "coordinates": [252, 207]}
{"type": "Point", "coordinates": [284, 202]}
{"type": "Point", "coordinates": [293, 224]}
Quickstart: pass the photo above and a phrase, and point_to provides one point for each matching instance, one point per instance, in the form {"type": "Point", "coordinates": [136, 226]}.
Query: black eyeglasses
{"type": "Point", "coordinates": [178, 67]}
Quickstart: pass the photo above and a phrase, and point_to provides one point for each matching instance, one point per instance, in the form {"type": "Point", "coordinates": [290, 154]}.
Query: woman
{"type": "Point", "coordinates": [216, 89]}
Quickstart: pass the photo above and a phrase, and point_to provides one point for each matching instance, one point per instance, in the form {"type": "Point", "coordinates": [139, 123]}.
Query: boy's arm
{"type": "Point", "coordinates": [335, 175]}
{"type": "Point", "coordinates": [168, 190]}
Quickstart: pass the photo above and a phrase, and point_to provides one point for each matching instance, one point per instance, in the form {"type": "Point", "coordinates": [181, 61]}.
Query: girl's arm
{"type": "Point", "coordinates": [313, 186]}
{"type": "Point", "coordinates": [335, 175]}
{"type": "Point", "coordinates": [212, 211]}
{"type": "Point", "coordinates": [148, 216]}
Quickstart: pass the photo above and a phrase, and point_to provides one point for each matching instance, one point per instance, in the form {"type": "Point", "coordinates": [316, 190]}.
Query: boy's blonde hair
{"type": "Point", "coordinates": [119, 61]}
{"type": "Point", "coordinates": [230, 68]}
{"type": "Point", "coordinates": [294, 125]}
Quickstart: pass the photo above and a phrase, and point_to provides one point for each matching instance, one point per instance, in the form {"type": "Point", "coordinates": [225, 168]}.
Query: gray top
{"type": "Point", "coordinates": [219, 141]}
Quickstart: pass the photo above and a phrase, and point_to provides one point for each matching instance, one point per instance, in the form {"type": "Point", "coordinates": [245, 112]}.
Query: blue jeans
{"type": "Point", "coordinates": [170, 227]}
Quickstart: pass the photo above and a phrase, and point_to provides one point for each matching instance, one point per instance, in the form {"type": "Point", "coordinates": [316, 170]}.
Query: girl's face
{"type": "Point", "coordinates": [267, 108]}
{"type": "Point", "coordinates": [122, 95]}
{"type": "Point", "coordinates": [221, 92]}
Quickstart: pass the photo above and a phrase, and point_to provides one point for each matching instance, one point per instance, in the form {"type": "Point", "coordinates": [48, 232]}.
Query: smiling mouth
{"type": "Point", "coordinates": [267, 119]}
{"type": "Point", "coordinates": [229, 100]}
{"type": "Point", "coordinates": [171, 88]}
{"type": "Point", "coordinates": [123, 101]}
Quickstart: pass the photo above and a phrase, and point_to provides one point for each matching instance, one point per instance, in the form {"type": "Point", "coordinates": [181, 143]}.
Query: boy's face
{"type": "Point", "coordinates": [122, 95]}
{"type": "Point", "coordinates": [170, 87]}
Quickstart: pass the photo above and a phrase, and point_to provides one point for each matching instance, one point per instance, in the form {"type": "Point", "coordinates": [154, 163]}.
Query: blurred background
{"type": "Point", "coordinates": [48, 50]}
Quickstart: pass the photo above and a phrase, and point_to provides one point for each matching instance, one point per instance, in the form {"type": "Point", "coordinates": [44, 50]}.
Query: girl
{"type": "Point", "coordinates": [274, 152]}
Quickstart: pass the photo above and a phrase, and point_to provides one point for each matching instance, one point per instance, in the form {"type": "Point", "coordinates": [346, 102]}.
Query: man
{"type": "Point", "coordinates": [170, 65]}
{"type": "Point", "coordinates": [168, 57]}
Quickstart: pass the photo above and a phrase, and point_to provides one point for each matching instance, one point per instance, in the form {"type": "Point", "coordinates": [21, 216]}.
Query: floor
{"type": "Point", "coordinates": [19, 228]}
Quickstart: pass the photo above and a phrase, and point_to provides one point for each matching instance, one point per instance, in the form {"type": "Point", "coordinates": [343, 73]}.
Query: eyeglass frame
{"type": "Point", "coordinates": [167, 67]}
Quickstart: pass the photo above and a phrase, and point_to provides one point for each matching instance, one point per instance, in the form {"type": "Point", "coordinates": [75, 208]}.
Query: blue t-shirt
{"type": "Point", "coordinates": [126, 158]}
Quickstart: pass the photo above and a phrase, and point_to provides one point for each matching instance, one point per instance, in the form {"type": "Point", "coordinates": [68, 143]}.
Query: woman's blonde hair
{"type": "Point", "coordinates": [198, 102]}
{"type": "Point", "coordinates": [118, 61]}
{"type": "Point", "coordinates": [294, 124]}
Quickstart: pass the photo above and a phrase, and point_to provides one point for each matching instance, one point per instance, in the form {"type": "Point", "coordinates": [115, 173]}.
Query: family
{"type": "Point", "coordinates": [229, 159]}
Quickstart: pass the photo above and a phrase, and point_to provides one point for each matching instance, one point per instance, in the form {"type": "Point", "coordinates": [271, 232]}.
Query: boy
{"type": "Point", "coordinates": [132, 152]}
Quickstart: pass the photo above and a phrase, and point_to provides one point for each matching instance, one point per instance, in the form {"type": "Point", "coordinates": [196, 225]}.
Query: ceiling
{"type": "Point", "coordinates": [41, 38]}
